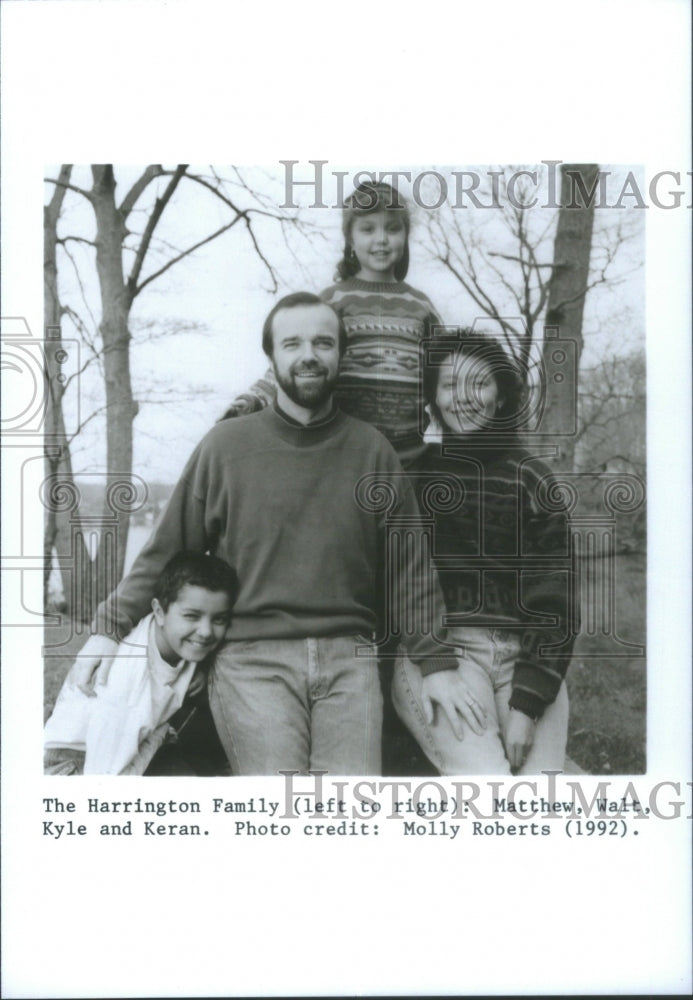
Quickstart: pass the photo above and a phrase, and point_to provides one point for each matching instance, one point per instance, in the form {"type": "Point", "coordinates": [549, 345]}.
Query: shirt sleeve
{"type": "Point", "coordinates": [414, 599]}
{"type": "Point", "coordinates": [433, 320]}
{"type": "Point", "coordinates": [550, 590]}
{"type": "Point", "coordinates": [260, 394]}
{"type": "Point", "coordinates": [180, 526]}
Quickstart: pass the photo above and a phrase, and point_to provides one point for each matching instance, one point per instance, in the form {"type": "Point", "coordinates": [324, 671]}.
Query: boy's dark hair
{"type": "Point", "coordinates": [489, 351]}
{"type": "Point", "coordinates": [290, 302]}
{"type": "Point", "coordinates": [195, 569]}
{"type": "Point", "coordinates": [372, 196]}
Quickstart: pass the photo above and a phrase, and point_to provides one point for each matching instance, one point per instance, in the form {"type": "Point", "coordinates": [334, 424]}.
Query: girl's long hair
{"type": "Point", "coordinates": [372, 196]}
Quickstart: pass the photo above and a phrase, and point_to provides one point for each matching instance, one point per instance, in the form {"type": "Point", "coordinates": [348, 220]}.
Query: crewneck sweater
{"type": "Point", "coordinates": [282, 504]}
{"type": "Point", "coordinates": [379, 373]}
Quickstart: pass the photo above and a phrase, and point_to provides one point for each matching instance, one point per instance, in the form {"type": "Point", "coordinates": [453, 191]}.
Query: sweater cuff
{"type": "Point", "coordinates": [525, 701]}
{"type": "Point", "coordinates": [440, 663]}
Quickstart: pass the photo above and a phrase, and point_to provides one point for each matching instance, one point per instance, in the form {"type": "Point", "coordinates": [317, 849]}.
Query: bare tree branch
{"type": "Point", "coordinates": [61, 187]}
{"type": "Point", "coordinates": [185, 253]}
{"type": "Point", "coordinates": [61, 183]}
{"type": "Point", "coordinates": [82, 289]}
{"type": "Point", "coordinates": [128, 203]}
{"type": "Point", "coordinates": [159, 206]}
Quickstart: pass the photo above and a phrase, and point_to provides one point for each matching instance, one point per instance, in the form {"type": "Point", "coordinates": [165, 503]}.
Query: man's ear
{"type": "Point", "coordinates": [159, 613]}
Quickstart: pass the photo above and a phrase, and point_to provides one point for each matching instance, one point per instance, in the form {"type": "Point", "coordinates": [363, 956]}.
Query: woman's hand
{"type": "Point", "coordinates": [518, 737]}
{"type": "Point", "coordinates": [447, 689]}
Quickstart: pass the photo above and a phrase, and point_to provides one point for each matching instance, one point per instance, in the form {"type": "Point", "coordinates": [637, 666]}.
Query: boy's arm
{"type": "Point", "coordinates": [259, 395]}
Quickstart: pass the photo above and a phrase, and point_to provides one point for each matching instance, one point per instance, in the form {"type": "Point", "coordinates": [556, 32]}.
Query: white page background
{"type": "Point", "coordinates": [148, 81]}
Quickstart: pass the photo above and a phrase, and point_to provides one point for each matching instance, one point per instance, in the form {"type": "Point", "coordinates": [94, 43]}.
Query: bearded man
{"type": "Point", "coordinates": [275, 494]}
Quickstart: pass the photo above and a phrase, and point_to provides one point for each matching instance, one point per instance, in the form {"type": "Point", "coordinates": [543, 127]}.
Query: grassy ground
{"type": "Point", "coordinates": [607, 694]}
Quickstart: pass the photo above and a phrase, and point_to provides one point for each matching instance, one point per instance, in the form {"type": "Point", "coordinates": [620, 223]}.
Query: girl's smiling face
{"type": "Point", "coordinates": [378, 240]}
{"type": "Point", "coordinates": [467, 395]}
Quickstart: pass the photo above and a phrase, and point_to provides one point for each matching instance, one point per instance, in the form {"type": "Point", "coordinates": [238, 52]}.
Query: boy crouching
{"type": "Point", "coordinates": [149, 713]}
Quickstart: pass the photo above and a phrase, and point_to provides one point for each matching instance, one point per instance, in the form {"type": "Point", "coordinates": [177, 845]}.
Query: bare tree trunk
{"type": "Point", "coordinates": [566, 300]}
{"type": "Point", "coordinates": [99, 577]}
{"type": "Point", "coordinates": [58, 536]}
{"type": "Point", "coordinates": [116, 300]}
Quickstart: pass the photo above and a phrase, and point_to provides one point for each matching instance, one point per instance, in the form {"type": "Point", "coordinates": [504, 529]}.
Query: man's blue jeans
{"type": "Point", "coordinates": [298, 704]}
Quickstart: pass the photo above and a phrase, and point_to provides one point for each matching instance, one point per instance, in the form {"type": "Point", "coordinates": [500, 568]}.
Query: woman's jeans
{"type": "Point", "coordinates": [299, 705]}
{"type": "Point", "coordinates": [486, 662]}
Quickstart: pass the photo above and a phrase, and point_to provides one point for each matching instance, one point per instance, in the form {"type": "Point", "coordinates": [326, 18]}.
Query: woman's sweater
{"type": "Point", "coordinates": [502, 547]}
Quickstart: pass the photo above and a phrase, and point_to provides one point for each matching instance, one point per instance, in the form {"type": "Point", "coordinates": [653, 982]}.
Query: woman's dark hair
{"type": "Point", "coordinates": [195, 569]}
{"type": "Point", "coordinates": [489, 352]}
{"type": "Point", "coordinates": [372, 196]}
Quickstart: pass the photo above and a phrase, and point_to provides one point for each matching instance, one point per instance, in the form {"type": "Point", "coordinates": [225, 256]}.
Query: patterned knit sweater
{"type": "Point", "coordinates": [379, 373]}
{"type": "Point", "coordinates": [502, 547]}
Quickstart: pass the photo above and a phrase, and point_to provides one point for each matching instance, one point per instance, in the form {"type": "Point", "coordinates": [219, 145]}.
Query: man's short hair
{"type": "Point", "coordinates": [290, 302]}
{"type": "Point", "coordinates": [195, 569]}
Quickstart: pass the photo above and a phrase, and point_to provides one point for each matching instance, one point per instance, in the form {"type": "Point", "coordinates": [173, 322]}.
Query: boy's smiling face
{"type": "Point", "coordinates": [193, 625]}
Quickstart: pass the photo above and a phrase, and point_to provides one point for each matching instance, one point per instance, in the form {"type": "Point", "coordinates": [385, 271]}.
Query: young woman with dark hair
{"type": "Point", "coordinates": [502, 549]}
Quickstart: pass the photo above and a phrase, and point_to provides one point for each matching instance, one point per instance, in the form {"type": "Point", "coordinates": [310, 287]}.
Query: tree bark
{"type": "Point", "coordinates": [58, 535]}
{"type": "Point", "coordinates": [116, 301]}
{"type": "Point", "coordinates": [565, 306]}
{"type": "Point", "coordinates": [100, 576]}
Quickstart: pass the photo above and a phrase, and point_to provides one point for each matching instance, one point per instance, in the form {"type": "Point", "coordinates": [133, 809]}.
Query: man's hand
{"type": "Point", "coordinates": [518, 738]}
{"type": "Point", "coordinates": [447, 689]}
{"type": "Point", "coordinates": [97, 652]}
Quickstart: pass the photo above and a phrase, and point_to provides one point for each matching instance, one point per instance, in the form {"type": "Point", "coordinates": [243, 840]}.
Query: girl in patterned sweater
{"type": "Point", "coordinates": [385, 320]}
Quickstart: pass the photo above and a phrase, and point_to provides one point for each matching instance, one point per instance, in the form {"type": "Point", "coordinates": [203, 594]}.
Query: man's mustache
{"type": "Point", "coordinates": [309, 367]}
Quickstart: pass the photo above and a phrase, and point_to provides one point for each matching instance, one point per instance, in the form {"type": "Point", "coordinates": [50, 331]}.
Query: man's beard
{"type": "Point", "coordinates": [309, 395]}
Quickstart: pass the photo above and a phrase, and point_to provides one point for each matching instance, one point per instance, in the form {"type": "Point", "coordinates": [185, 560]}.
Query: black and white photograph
{"type": "Point", "coordinates": [347, 638]}
{"type": "Point", "coordinates": [346, 494]}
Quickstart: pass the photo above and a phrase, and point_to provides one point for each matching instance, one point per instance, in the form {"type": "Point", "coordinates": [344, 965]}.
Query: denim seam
{"type": "Point", "coordinates": [214, 698]}
{"type": "Point", "coordinates": [421, 719]}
